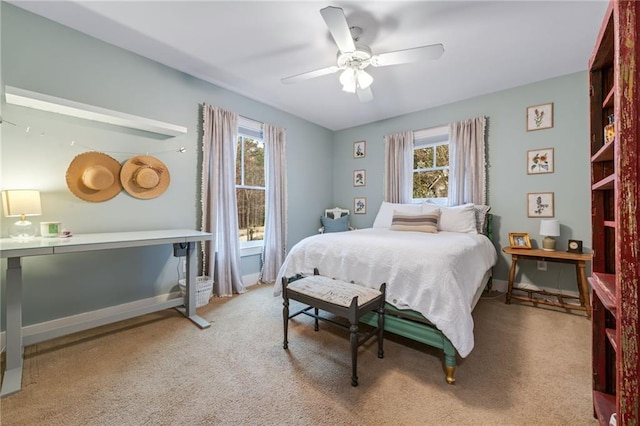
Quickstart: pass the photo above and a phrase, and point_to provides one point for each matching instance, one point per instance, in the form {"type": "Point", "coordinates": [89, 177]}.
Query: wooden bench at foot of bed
{"type": "Point", "coordinates": [412, 325]}
{"type": "Point", "coordinates": [340, 298]}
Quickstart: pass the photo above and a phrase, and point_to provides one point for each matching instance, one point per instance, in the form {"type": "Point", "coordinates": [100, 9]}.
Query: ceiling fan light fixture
{"type": "Point", "coordinates": [348, 80]}
{"type": "Point", "coordinates": [364, 79]}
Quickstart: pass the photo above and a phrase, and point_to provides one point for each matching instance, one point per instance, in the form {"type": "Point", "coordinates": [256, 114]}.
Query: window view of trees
{"type": "Point", "coordinates": [250, 188]}
{"type": "Point", "coordinates": [431, 171]}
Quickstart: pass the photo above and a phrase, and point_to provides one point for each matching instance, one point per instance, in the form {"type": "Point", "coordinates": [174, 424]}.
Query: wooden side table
{"type": "Point", "coordinates": [551, 256]}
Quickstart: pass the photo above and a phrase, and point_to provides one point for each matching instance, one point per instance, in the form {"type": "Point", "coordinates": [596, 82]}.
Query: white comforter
{"type": "Point", "coordinates": [434, 274]}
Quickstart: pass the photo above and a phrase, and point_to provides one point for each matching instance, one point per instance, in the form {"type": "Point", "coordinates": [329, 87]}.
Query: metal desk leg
{"type": "Point", "coordinates": [12, 381]}
{"type": "Point", "coordinates": [189, 309]}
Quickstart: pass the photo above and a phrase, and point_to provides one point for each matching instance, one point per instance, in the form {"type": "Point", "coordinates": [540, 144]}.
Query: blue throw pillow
{"type": "Point", "coordinates": [335, 225]}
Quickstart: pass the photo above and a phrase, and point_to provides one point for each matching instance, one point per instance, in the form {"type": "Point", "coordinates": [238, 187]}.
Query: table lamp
{"type": "Point", "coordinates": [21, 203]}
{"type": "Point", "coordinates": [549, 228]}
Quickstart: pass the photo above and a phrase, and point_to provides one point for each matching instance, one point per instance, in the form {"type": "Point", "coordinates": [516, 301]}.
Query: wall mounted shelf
{"type": "Point", "coordinates": [29, 99]}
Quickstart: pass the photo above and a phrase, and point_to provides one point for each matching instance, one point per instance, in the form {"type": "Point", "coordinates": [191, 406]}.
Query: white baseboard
{"type": "Point", "coordinates": [498, 285]}
{"type": "Point", "coordinates": [502, 285]}
{"type": "Point", "coordinates": [251, 279]}
{"type": "Point", "coordinates": [41, 331]}
{"type": "Point", "coordinates": [75, 321]}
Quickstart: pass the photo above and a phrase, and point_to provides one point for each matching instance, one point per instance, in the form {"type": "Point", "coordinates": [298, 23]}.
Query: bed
{"type": "Point", "coordinates": [433, 279]}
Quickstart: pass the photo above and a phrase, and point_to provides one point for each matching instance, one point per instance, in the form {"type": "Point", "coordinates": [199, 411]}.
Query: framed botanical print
{"type": "Point", "coordinates": [359, 149]}
{"type": "Point", "coordinates": [540, 204]}
{"type": "Point", "coordinates": [360, 205]}
{"type": "Point", "coordinates": [540, 161]}
{"type": "Point", "coordinates": [359, 178]}
{"type": "Point", "coordinates": [540, 117]}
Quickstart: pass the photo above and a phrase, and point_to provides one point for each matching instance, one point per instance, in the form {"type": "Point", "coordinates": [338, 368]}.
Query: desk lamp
{"type": "Point", "coordinates": [21, 203]}
{"type": "Point", "coordinates": [550, 228]}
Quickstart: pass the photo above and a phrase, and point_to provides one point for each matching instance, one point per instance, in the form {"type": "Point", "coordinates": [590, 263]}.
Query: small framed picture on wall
{"type": "Point", "coordinates": [540, 117]}
{"type": "Point", "coordinates": [540, 204]}
{"type": "Point", "coordinates": [360, 205]}
{"type": "Point", "coordinates": [359, 149]}
{"type": "Point", "coordinates": [359, 178]}
{"type": "Point", "coordinates": [540, 161]}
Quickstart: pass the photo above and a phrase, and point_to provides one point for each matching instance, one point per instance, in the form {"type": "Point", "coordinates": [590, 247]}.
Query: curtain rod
{"type": "Point", "coordinates": [251, 119]}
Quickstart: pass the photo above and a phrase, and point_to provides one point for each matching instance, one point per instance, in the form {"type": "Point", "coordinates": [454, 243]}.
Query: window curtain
{"type": "Point", "coordinates": [398, 167]}
{"type": "Point", "coordinates": [467, 162]}
{"type": "Point", "coordinates": [221, 255]}
{"type": "Point", "coordinates": [275, 232]}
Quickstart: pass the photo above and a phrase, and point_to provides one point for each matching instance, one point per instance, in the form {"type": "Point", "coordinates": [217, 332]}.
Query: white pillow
{"type": "Point", "coordinates": [385, 213]}
{"type": "Point", "coordinates": [458, 219]}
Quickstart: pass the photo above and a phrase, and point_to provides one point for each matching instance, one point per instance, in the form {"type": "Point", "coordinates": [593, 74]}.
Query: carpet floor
{"type": "Point", "coordinates": [530, 366]}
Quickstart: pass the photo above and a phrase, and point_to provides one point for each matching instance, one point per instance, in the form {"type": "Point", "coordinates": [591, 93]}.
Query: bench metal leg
{"type": "Point", "coordinates": [315, 325]}
{"type": "Point", "coordinates": [380, 332]}
{"type": "Point", "coordinates": [285, 317]}
{"type": "Point", "coordinates": [354, 354]}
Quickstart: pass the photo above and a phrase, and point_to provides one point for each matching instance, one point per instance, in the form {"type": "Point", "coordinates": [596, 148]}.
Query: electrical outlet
{"type": "Point", "coordinates": [542, 265]}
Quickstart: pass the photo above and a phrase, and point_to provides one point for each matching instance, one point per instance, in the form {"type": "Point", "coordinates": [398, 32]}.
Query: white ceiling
{"type": "Point", "coordinates": [247, 47]}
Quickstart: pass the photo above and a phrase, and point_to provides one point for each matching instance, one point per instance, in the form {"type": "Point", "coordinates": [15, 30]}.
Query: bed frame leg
{"type": "Point", "coordinates": [451, 370]}
{"type": "Point", "coordinates": [449, 360]}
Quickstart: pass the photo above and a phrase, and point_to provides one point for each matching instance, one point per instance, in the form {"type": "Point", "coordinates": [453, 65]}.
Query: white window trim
{"type": "Point", "coordinates": [251, 248]}
{"type": "Point", "coordinates": [431, 137]}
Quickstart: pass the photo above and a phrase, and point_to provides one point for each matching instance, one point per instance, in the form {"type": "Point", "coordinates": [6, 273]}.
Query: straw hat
{"type": "Point", "coordinates": [94, 176]}
{"type": "Point", "coordinates": [144, 177]}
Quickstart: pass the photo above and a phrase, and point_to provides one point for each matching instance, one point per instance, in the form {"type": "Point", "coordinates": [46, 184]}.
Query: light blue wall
{"type": "Point", "coordinates": [45, 57]}
{"type": "Point", "coordinates": [508, 143]}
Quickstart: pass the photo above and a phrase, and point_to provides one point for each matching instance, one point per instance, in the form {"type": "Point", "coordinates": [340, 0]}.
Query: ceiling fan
{"type": "Point", "coordinates": [353, 58]}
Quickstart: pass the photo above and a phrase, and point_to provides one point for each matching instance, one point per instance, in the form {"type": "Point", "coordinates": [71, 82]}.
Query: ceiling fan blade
{"type": "Point", "coordinates": [338, 27]}
{"type": "Point", "coordinates": [433, 51]}
{"type": "Point", "coordinates": [309, 75]}
{"type": "Point", "coordinates": [364, 95]}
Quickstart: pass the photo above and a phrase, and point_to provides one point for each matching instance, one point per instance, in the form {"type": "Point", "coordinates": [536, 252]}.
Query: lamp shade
{"type": "Point", "coordinates": [21, 202]}
{"type": "Point", "coordinates": [550, 227]}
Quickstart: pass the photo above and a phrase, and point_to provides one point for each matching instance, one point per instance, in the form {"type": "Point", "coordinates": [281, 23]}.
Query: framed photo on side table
{"type": "Point", "coordinates": [360, 205]}
{"type": "Point", "coordinates": [519, 240]}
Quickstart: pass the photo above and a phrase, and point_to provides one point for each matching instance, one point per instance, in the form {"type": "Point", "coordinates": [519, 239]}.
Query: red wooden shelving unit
{"type": "Point", "coordinates": [615, 207]}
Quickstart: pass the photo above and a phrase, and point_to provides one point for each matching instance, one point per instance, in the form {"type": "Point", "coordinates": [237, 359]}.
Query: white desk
{"type": "Point", "coordinates": [14, 252]}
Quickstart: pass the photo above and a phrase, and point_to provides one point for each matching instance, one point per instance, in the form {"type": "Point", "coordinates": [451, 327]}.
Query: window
{"type": "Point", "coordinates": [250, 183]}
{"type": "Point", "coordinates": [431, 165]}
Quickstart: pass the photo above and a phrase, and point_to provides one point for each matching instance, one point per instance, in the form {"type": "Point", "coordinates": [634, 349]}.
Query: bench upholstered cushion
{"type": "Point", "coordinates": [333, 291]}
